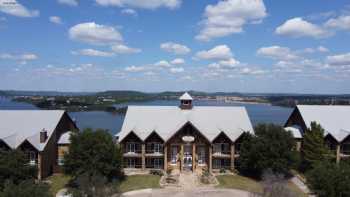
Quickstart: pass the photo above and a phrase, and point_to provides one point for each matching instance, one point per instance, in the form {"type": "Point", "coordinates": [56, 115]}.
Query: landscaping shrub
{"type": "Point", "coordinates": [156, 172]}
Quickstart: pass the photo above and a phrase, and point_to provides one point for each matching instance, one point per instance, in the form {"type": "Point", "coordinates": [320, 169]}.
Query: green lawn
{"type": "Point", "coordinates": [58, 182]}
{"type": "Point", "coordinates": [136, 182]}
{"type": "Point", "coordinates": [248, 184]}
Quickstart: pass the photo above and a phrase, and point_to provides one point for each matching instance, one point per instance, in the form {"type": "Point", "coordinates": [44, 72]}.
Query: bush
{"type": "Point", "coordinates": [168, 171]}
{"type": "Point", "coordinates": [270, 148]}
{"type": "Point", "coordinates": [329, 179]}
{"type": "Point", "coordinates": [275, 185]}
{"type": "Point", "coordinates": [156, 172]}
{"type": "Point", "coordinates": [25, 189]}
{"type": "Point", "coordinates": [222, 170]}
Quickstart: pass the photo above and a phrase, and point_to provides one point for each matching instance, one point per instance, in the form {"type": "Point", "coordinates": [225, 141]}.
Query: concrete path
{"type": "Point", "coordinates": [195, 192]}
{"type": "Point", "coordinates": [188, 180]}
{"type": "Point", "coordinates": [301, 185]}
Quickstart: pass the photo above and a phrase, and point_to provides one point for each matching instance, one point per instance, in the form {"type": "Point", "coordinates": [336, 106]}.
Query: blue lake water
{"type": "Point", "coordinates": [258, 113]}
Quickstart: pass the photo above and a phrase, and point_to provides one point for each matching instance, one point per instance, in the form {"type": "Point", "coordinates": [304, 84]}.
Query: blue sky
{"type": "Point", "coordinates": [155, 45]}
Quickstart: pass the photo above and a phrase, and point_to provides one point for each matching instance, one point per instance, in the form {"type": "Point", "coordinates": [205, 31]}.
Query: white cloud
{"type": "Point", "coordinates": [175, 48]}
{"type": "Point", "coordinates": [230, 63]}
{"type": "Point", "coordinates": [135, 68]}
{"type": "Point", "coordinates": [322, 49]}
{"type": "Point", "coordinates": [149, 4]}
{"type": "Point", "coordinates": [68, 2]}
{"type": "Point", "coordinates": [96, 34]}
{"type": "Point", "coordinates": [177, 70]}
{"type": "Point", "coordinates": [298, 27]}
{"type": "Point", "coordinates": [163, 64]}
{"type": "Point", "coordinates": [277, 52]}
{"type": "Point", "coordinates": [128, 11]}
{"type": "Point", "coordinates": [178, 61]}
{"type": "Point", "coordinates": [123, 49]}
{"type": "Point", "coordinates": [23, 57]}
{"type": "Point", "coordinates": [220, 52]}
{"type": "Point", "coordinates": [14, 8]}
{"type": "Point", "coordinates": [341, 22]}
{"type": "Point", "coordinates": [92, 52]}
{"type": "Point", "coordinates": [249, 71]}
{"type": "Point", "coordinates": [228, 17]}
{"type": "Point", "coordinates": [55, 19]}
{"type": "Point", "coordinates": [339, 60]}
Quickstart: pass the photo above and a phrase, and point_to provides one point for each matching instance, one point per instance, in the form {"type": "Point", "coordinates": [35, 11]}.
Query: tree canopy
{"type": "Point", "coordinates": [314, 149]}
{"type": "Point", "coordinates": [94, 153]}
{"type": "Point", "coordinates": [328, 179]}
{"type": "Point", "coordinates": [14, 167]}
{"type": "Point", "coordinates": [270, 148]}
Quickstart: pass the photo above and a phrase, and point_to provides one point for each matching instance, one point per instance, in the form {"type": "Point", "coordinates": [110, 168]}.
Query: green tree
{"type": "Point", "coordinates": [25, 189]}
{"type": "Point", "coordinates": [14, 167]}
{"type": "Point", "coordinates": [328, 179]}
{"type": "Point", "coordinates": [314, 149]}
{"type": "Point", "coordinates": [270, 148]}
{"type": "Point", "coordinates": [93, 152]}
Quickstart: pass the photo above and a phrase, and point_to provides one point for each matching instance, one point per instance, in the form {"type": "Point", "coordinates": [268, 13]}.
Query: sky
{"type": "Point", "coordinates": [264, 46]}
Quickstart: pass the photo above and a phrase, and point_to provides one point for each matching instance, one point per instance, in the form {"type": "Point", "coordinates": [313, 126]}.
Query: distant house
{"type": "Point", "coordinates": [36, 133]}
{"type": "Point", "coordinates": [334, 119]}
{"type": "Point", "coordinates": [184, 137]}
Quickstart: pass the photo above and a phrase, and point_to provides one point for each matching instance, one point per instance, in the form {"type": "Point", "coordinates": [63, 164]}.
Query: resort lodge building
{"type": "Point", "coordinates": [41, 134]}
{"type": "Point", "coordinates": [184, 137]}
{"type": "Point", "coordinates": [333, 119]}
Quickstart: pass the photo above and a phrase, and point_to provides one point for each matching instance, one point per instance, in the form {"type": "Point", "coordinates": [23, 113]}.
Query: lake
{"type": "Point", "coordinates": [258, 113]}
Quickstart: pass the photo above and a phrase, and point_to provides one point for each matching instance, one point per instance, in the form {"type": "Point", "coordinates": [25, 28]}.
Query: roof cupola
{"type": "Point", "coordinates": [186, 101]}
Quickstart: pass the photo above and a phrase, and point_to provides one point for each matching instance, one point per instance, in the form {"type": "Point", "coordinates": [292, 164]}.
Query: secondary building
{"type": "Point", "coordinates": [39, 134]}
{"type": "Point", "coordinates": [184, 137]}
{"type": "Point", "coordinates": [334, 119]}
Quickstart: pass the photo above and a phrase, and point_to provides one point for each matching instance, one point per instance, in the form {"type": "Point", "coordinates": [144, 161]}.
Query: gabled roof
{"type": "Point", "coordinates": [334, 119]}
{"type": "Point", "coordinates": [166, 120]}
{"type": "Point", "coordinates": [16, 126]}
{"type": "Point", "coordinates": [186, 96]}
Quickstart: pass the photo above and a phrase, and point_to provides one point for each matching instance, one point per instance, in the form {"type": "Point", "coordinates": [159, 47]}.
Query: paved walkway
{"type": "Point", "coordinates": [188, 181]}
{"type": "Point", "coordinates": [195, 192]}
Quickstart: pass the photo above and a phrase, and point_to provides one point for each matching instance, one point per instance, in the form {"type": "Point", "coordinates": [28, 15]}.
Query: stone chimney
{"type": "Point", "coordinates": [43, 136]}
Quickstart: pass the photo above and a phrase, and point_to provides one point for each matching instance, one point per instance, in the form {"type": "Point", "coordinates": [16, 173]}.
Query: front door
{"type": "Point", "coordinates": [188, 157]}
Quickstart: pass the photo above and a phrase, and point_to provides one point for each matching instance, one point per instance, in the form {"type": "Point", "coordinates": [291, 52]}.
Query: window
{"type": "Point", "coordinates": [158, 163]}
{"type": "Point", "coordinates": [345, 148]}
{"type": "Point", "coordinates": [131, 163]}
{"type": "Point", "coordinates": [158, 148]}
{"type": "Point", "coordinates": [130, 147]}
{"type": "Point", "coordinates": [60, 161]}
{"type": "Point", "coordinates": [216, 163]}
{"type": "Point", "coordinates": [154, 147]}
{"type": "Point", "coordinates": [238, 148]}
{"type": "Point", "coordinates": [32, 158]}
{"type": "Point", "coordinates": [221, 148]}
{"type": "Point", "coordinates": [174, 152]}
{"type": "Point", "coordinates": [201, 155]}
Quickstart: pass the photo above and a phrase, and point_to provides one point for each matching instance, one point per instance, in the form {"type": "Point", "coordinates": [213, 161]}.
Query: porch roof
{"type": "Point", "coordinates": [166, 120]}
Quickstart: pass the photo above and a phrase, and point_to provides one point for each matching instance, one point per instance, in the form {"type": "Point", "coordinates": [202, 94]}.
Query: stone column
{"type": "Point", "coordinates": [143, 152]}
{"type": "Point", "coordinates": [298, 145]}
{"type": "Point", "coordinates": [210, 166]}
{"type": "Point", "coordinates": [193, 156]}
{"type": "Point", "coordinates": [338, 153]}
{"type": "Point", "coordinates": [165, 157]}
{"type": "Point", "coordinates": [232, 157]}
{"type": "Point", "coordinates": [182, 158]}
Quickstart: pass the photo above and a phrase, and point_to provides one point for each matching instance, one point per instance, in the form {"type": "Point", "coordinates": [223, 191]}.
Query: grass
{"type": "Point", "coordinates": [239, 182]}
{"type": "Point", "coordinates": [136, 182]}
{"type": "Point", "coordinates": [58, 182]}
{"type": "Point", "coordinates": [250, 185]}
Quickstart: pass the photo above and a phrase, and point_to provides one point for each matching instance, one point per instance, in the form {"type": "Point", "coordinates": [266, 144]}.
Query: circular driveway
{"type": "Point", "coordinates": [195, 192]}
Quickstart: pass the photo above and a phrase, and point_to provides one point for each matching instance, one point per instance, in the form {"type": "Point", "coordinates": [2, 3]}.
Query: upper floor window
{"type": "Point", "coordinates": [130, 147]}
{"type": "Point", "coordinates": [345, 148]}
{"type": "Point", "coordinates": [221, 148]}
{"type": "Point", "coordinates": [154, 148]}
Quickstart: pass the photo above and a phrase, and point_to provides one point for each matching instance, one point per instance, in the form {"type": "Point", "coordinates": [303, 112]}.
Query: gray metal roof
{"type": "Point", "coordinates": [16, 126]}
{"type": "Point", "coordinates": [334, 119]}
{"type": "Point", "coordinates": [166, 120]}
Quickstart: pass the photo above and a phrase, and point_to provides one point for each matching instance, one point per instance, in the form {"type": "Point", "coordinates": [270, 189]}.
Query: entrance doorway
{"type": "Point", "coordinates": [187, 160]}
